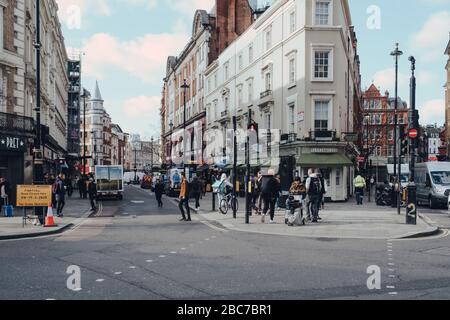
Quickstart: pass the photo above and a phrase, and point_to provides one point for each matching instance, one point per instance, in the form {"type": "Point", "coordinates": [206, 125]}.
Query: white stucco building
{"type": "Point", "coordinates": [296, 68]}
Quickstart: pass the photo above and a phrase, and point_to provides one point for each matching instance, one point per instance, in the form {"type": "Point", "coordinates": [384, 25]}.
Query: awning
{"type": "Point", "coordinates": [324, 160]}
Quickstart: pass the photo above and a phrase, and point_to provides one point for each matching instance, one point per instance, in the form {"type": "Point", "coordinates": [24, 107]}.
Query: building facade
{"type": "Point", "coordinates": [212, 33]}
{"type": "Point", "coordinates": [378, 129]}
{"type": "Point", "coordinates": [296, 69]}
{"type": "Point", "coordinates": [74, 109]}
{"type": "Point", "coordinates": [447, 100]}
{"type": "Point", "coordinates": [18, 94]}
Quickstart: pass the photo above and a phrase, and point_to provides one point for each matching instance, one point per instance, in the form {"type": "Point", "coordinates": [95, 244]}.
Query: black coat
{"type": "Point", "coordinates": [159, 189]}
{"type": "Point", "coordinates": [270, 186]}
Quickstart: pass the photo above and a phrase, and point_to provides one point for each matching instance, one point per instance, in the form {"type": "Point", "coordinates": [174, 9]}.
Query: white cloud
{"type": "Point", "coordinates": [386, 79]}
{"type": "Point", "coordinates": [432, 112]}
{"type": "Point", "coordinates": [143, 58]}
{"type": "Point", "coordinates": [430, 41]}
{"type": "Point", "coordinates": [98, 7]}
{"type": "Point", "coordinates": [188, 7]}
{"type": "Point", "coordinates": [142, 106]}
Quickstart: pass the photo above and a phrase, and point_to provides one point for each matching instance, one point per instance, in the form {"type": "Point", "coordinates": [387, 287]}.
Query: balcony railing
{"type": "Point", "coordinates": [266, 93]}
{"type": "Point", "coordinates": [14, 123]}
{"type": "Point", "coordinates": [323, 135]}
{"type": "Point", "coordinates": [266, 98]}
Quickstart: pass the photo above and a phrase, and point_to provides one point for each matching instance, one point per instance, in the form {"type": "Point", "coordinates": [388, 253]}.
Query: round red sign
{"type": "Point", "coordinates": [413, 133]}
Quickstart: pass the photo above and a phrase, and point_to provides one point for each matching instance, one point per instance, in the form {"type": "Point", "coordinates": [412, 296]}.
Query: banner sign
{"type": "Point", "coordinates": [34, 196]}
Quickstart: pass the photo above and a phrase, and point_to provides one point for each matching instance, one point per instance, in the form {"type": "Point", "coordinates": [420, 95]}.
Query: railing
{"type": "Point", "coordinates": [266, 93]}
{"type": "Point", "coordinates": [12, 122]}
{"type": "Point", "coordinates": [289, 138]}
{"type": "Point", "coordinates": [224, 113]}
{"type": "Point", "coordinates": [323, 135]}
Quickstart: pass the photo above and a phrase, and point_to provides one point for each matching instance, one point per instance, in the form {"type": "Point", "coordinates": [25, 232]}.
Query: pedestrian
{"type": "Point", "coordinates": [92, 191]}
{"type": "Point", "coordinates": [80, 184]}
{"type": "Point", "coordinates": [5, 192]}
{"type": "Point", "coordinates": [69, 186]}
{"type": "Point", "coordinates": [323, 192]}
{"type": "Point", "coordinates": [278, 195]}
{"type": "Point", "coordinates": [360, 185]}
{"type": "Point", "coordinates": [257, 200]}
{"type": "Point", "coordinates": [313, 189]}
{"type": "Point", "coordinates": [270, 188]}
{"type": "Point", "coordinates": [196, 191]}
{"type": "Point", "coordinates": [184, 198]}
{"type": "Point", "coordinates": [60, 195]}
{"type": "Point", "coordinates": [159, 190]}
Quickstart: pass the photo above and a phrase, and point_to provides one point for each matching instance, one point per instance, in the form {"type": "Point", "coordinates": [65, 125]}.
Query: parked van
{"type": "Point", "coordinates": [433, 183]}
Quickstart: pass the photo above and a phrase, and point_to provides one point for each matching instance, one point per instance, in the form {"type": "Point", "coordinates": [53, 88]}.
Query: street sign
{"type": "Point", "coordinates": [413, 133]}
{"type": "Point", "coordinates": [34, 195]}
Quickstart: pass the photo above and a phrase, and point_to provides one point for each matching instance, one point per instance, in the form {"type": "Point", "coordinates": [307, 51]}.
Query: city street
{"type": "Point", "coordinates": [136, 251]}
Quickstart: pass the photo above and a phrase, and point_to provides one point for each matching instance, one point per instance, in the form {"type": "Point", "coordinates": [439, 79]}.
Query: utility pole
{"type": "Point", "coordinates": [185, 86]}
{"type": "Point", "coordinates": [395, 194]}
{"type": "Point", "coordinates": [84, 131]}
{"type": "Point", "coordinates": [151, 162]}
{"type": "Point", "coordinates": [411, 209]}
{"type": "Point", "coordinates": [248, 187]}
{"type": "Point", "coordinates": [234, 166]}
{"type": "Point", "coordinates": [38, 169]}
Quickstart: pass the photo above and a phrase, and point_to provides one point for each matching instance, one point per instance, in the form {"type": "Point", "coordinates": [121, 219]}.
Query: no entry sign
{"type": "Point", "coordinates": [413, 133]}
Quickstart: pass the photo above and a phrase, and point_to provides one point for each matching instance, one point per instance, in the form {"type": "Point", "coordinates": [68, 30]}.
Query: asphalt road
{"type": "Point", "coordinates": [137, 251]}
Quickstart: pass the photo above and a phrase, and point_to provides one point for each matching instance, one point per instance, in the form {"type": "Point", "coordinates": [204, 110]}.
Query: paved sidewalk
{"type": "Point", "coordinates": [340, 220]}
{"type": "Point", "coordinates": [75, 211]}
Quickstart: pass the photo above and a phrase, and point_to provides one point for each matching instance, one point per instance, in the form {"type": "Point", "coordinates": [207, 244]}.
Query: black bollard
{"type": "Point", "coordinates": [411, 209]}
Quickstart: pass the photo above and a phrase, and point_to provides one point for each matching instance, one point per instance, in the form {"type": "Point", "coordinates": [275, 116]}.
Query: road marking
{"type": "Point", "coordinates": [391, 270]}
{"type": "Point", "coordinates": [148, 261]}
{"type": "Point", "coordinates": [132, 267]}
{"type": "Point", "coordinates": [137, 202]}
{"type": "Point", "coordinates": [390, 287]}
{"type": "Point", "coordinates": [391, 264]}
{"type": "Point", "coordinates": [206, 239]}
{"type": "Point", "coordinates": [162, 256]}
{"type": "Point", "coordinates": [393, 293]}
{"type": "Point", "coordinates": [99, 280]}
{"type": "Point", "coordinates": [173, 252]}
{"type": "Point", "coordinates": [183, 249]}
{"type": "Point", "coordinates": [392, 276]}
{"type": "Point", "coordinates": [50, 299]}
{"type": "Point", "coordinates": [117, 273]}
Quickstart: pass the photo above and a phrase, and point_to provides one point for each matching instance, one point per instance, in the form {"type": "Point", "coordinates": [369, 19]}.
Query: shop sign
{"type": "Point", "coordinates": [12, 143]}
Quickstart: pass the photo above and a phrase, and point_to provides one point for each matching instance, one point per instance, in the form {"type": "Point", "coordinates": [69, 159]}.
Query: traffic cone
{"type": "Point", "coordinates": [49, 219]}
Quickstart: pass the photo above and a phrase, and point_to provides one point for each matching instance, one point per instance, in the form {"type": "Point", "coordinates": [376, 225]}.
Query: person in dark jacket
{"type": "Point", "coordinates": [92, 191]}
{"type": "Point", "coordinates": [80, 184]}
{"type": "Point", "coordinates": [269, 190]}
{"type": "Point", "coordinates": [60, 195]}
{"type": "Point", "coordinates": [159, 190]}
{"type": "Point", "coordinates": [196, 190]}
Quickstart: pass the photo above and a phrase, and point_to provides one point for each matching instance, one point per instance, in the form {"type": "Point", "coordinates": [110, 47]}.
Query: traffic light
{"type": "Point", "coordinates": [253, 126]}
{"type": "Point", "coordinates": [404, 146]}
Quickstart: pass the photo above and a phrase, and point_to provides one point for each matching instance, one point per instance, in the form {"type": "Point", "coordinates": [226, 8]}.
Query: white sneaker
{"type": "Point", "coordinates": [272, 222]}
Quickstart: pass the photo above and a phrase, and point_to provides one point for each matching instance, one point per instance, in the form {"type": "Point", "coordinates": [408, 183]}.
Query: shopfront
{"type": "Point", "coordinates": [12, 160]}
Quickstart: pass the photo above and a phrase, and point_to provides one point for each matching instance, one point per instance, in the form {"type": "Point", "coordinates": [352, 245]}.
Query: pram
{"type": "Point", "coordinates": [295, 205]}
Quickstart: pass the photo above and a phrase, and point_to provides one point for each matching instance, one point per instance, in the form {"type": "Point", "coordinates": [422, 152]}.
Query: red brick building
{"type": "Point", "coordinates": [378, 125]}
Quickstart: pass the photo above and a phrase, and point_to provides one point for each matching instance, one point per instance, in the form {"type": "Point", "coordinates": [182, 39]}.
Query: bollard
{"type": "Point", "coordinates": [214, 201]}
{"type": "Point", "coordinates": [411, 208]}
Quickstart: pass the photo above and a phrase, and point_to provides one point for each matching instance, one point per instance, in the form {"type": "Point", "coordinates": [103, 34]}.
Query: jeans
{"type": "Point", "coordinates": [359, 195]}
{"type": "Point", "coordinates": [159, 199]}
{"type": "Point", "coordinates": [197, 200]}
{"type": "Point", "coordinates": [92, 200]}
{"type": "Point", "coordinates": [313, 203]}
{"type": "Point", "coordinates": [269, 203]}
{"type": "Point", "coordinates": [185, 202]}
{"type": "Point", "coordinates": [61, 204]}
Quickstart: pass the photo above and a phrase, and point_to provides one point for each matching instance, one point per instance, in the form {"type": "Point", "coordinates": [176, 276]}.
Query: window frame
{"type": "Point", "coordinates": [330, 13]}
{"type": "Point", "coordinates": [328, 99]}
{"type": "Point", "coordinates": [322, 48]}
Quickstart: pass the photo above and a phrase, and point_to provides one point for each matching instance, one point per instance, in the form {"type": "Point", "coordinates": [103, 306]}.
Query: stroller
{"type": "Point", "coordinates": [384, 195]}
{"type": "Point", "coordinates": [295, 205]}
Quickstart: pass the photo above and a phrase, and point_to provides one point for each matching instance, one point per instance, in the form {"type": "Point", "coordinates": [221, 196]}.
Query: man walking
{"type": "Point", "coordinates": [313, 189]}
{"type": "Point", "coordinates": [92, 191]}
{"type": "Point", "coordinates": [360, 185]}
{"type": "Point", "coordinates": [159, 190]}
{"type": "Point", "coordinates": [184, 198]}
{"type": "Point", "coordinates": [196, 191]}
{"type": "Point", "coordinates": [60, 195]}
{"type": "Point", "coordinates": [269, 190]}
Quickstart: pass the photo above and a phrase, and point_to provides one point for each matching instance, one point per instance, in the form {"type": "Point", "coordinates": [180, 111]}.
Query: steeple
{"type": "Point", "coordinates": [97, 95]}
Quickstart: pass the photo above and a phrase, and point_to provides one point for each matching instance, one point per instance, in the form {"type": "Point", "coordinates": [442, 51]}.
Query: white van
{"type": "Point", "coordinates": [433, 183]}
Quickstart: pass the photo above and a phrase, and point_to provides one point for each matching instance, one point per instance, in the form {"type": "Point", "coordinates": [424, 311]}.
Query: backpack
{"type": "Point", "coordinates": [315, 187]}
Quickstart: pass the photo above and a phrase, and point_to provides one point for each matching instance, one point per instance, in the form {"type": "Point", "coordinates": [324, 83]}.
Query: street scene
{"type": "Point", "coordinates": [224, 150]}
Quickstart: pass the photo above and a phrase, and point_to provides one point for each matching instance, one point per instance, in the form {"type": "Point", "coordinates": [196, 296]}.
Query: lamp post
{"type": "Point", "coordinates": [84, 96]}
{"type": "Point", "coordinates": [151, 160]}
{"type": "Point", "coordinates": [411, 213]}
{"type": "Point", "coordinates": [185, 87]}
{"type": "Point", "coordinates": [396, 194]}
{"type": "Point", "coordinates": [171, 141]}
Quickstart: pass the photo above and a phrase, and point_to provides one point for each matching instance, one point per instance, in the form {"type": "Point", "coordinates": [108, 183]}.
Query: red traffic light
{"type": "Point", "coordinates": [413, 133]}
{"type": "Point", "coordinates": [253, 127]}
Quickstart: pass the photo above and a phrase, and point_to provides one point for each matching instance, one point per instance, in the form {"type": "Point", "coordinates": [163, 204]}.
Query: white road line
{"type": "Point", "coordinates": [50, 299]}
{"type": "Point", "coordinates": [390, 287]}
{"type": "Point", "coordinates": [132, 267]}
{"type": "Point", "coordinates": [99, 280]}
{"type": "Point", "coordinates": [393, 293]}
{"type": "Point", "coordinates": [206, 239]}
{"type": "Point", "coordinates": [117, 273]}
{"type": "Point", "coordinates": [392, 276]}
{"type": "Point", "coordinates": [183, 249]}
{"type": "Point", "coordinates": [391, 264]}
{"type": "Point", "coordinates": [173, 252]}
{"type": "Point", "coordinates": [162, 256]}
{"type": "Point", "coordinates": [148, 261]}
{"type": "Point", "coordinates": [391, 270]}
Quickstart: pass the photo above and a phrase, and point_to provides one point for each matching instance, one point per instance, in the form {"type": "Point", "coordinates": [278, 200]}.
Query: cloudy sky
{"type": "Point", "coordinates": [126, 43]}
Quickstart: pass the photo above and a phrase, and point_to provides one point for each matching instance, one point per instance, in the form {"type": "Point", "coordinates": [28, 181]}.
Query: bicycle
{"type": "Point", "coordinates": [228, 202]}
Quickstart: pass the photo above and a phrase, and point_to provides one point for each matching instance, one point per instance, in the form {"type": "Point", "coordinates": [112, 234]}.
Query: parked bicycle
{"type": "Point", "coordinates": [228, 202]}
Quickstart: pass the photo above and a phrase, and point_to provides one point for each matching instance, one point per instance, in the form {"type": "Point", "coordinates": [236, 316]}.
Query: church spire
{"type": "Point", "coordinates": [97, 94]}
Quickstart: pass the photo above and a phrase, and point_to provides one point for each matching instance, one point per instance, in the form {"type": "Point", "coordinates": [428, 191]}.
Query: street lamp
{"type": "Point", "coordinates": [171, 141]}
{"type": "Point", "coordinates": [396, 194]}
{"type": "Point", "coordinates": [84, 96]}
{"type": "Point", "coordinates": [151, 160]}
{"type": "Point", "coordinates": [185, 87]}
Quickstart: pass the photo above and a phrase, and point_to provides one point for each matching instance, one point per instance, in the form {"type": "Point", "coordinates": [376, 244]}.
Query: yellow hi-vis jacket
{"type": "Point", "coordinates": [359, 182]}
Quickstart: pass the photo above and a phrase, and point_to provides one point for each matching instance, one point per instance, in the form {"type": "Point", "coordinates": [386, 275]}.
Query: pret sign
{"type": "Point", "coordinates": [12, 143]}
{"type": "Point", "coordinates": [34, 195]}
